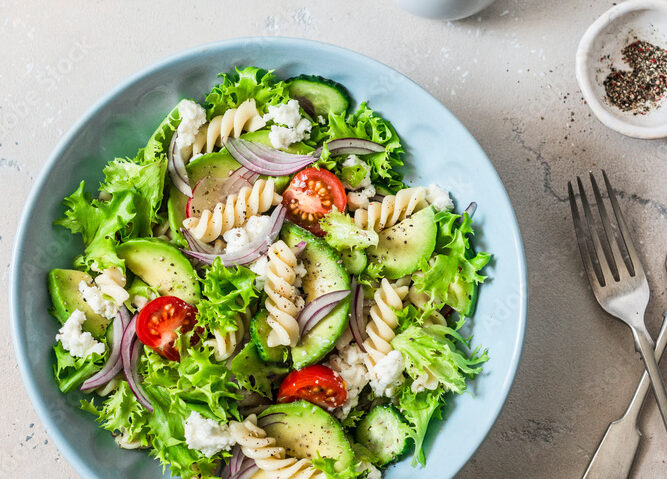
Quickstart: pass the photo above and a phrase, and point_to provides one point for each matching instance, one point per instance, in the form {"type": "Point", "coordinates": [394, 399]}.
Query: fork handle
{"type": "Point", "coordinates": [644, 345]}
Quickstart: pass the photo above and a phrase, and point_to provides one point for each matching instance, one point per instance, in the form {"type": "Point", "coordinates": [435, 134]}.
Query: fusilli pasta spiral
{"type": "Point", "coordinates": [380, 329]}
{"type": "Point", "coordinates": [236, 210]}
{"type": "Point", "coordinates": [224, 344]}
{"type": "Point", "coordinates": [232, 123]}
{"type": "Point", "coordinates": [281, 296]}
{"type": "Point", "coordinates": [393, 209]}
{"type": "Point", "coordinates": [112, 283]}
{"type": "Point", "coordinates": [269, 457]}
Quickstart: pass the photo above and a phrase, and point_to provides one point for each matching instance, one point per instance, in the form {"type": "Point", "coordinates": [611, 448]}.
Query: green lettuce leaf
{"type": "Point", "coordinates": [228, 292]}
{"type": "Point", "coordinates": [342, 233]}
{"type": "Point", "coordinates": [197, 379]}
{"type": "Point", "coordinates": [418, 409]}
{"type": "Point", "coordinates": [434, 350]}
{"type": "Point", "coordinates": [368, 125]}
{"type": "Point", "coordinates": [328, 466]}
{"type": "Point", "coordinates": [99, 223]}
{"type": "Point", "coordinates": [250, 82]}
{"type": "Point", "coordinates": [70, 371]}
{"type": "Point", "coordinates": [144, 175]}
{"type": "Point", "coordinates": [353, 175]}
{"type": "Point", "coordinates": [254, 374]}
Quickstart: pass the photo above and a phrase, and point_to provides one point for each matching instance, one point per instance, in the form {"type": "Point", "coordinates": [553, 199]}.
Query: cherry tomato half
{"type": "Point", "coordinates": [158, 321]}
{"type": "Point", "coordinates": [311, 194]}
{"type": "Point", "coordinates": [316, 384]}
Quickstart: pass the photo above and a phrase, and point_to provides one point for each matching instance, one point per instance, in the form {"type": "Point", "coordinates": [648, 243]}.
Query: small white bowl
{"type": "Point", "coordinates": [614, 30]}
{"type": "Point", "coordinates": [444, 9]}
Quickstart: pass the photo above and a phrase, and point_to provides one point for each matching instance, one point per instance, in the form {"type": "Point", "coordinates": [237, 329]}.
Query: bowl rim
{"type": "Point", "coordinates": [20, 349]}
{"type": "Point", "coordinates": [586, 81]}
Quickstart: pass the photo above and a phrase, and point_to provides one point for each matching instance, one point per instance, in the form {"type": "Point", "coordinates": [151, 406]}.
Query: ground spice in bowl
{"type": "Point", "coordinates": [640, 89]}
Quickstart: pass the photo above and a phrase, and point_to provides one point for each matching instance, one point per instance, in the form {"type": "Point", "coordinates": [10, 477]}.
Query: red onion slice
{"type": "Point", "coordinates": [209, 191]}
{"type": "Point", "coordinates": [176, 168]}
{"type": "Point", "coordinates": [130, 352]}
{"type": "Point", "coordinates": [350, 146]}
{"type": "Point", "coordinates": [264, 160]}
{"type": "Point", "coordinates": [114, 364]}
{"type": "Point", "coordinates": [472, 207]}
{"type": "Point", "coordinates": [298, 249]}
{"type": "Point", "coordinates": [357, 319]}
{"type": "Point", "coordinates": [236, 462]}
{"type": "Point", "coordinates": [246, 472]}
{"type": "Point", "coordinates": [317, 309]}
{"type": "Point", "coordinates": [253, 250]}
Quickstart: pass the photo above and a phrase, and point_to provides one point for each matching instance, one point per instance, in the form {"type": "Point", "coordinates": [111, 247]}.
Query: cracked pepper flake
{"type": "Point", "coordinates": [640, 89]}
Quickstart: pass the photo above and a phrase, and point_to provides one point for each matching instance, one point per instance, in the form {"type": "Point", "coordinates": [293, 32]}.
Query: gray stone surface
{"type": "Point", "coordinates": [508, 74]}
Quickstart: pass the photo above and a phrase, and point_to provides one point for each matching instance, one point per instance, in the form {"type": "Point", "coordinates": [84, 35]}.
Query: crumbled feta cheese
{"type": "Point", "coordinates": [259, 268]}
{"type": "Point", "coordinates": [287, 114]}
{"type": "Point", "coordinates": [299, 302]}
{"type": "Point", "coordinates": [78, 343]}
{"type": "Point", "coordinates": [300, 271]}
{"type": "Point", "coordinates": [282, 137]}
{"type": "Point", "coordinates": [439, 198]}
{"type": "Point", "coordinates": [352, 161]}
{"type": "Point", "coordinates": [257, 225]}
{"type": "Point", "coordinates": [93, 296]}
{"type": "Point", "coordinates": [361, 198]}
{"type": "Point", "coordinates": [387, 374]}
{"type": "Point", "coordinates": [193, 116]}
{"type": "Point", "coordinates": [206, 435]}
{"type": "Point", "coordinates": [321, 120]}
{"type": "Point", "coordinates": [236, 239]}
{"type": "Point", "coordinates": [349, 363]}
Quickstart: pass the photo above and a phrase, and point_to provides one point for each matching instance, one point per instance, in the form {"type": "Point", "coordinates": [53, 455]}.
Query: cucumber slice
{"type": "Point", "coordinates": [319, 96]}
{"type": "Point", "coordinates": [259, 332]}
{"type": "Point", "coordinates": [384, 432]}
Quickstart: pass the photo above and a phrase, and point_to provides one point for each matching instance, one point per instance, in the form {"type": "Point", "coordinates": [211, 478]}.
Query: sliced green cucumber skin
{"type": "Point", "coordinates": [259, 332]}
{"type": "Point", "coordinates": [305, 429]}
{"type": "Point", "coordinates": [384, 432]}
{"type": "Point", "coordinates": [63, 285]}
{"type": "Point", "coordinates": [323, 95]}
{"type": "Point", "coordinates": [161, 265]}
{"type": "Point", "coordinates": [402, 247]}
{"type": "Point", "coordinates": [325, 274]}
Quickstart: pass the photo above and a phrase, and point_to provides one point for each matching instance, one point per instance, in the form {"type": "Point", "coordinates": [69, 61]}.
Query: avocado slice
{"type": "Point", "coordinates": [324, 274]}
{"type": "Point", "coordinates": [402, 247]}
{"type": "Point", "coordinates": [354, 260]}
{"type": "Point", "coordinates": [64, 289]}
{"type": "Point", "coordinates": [305, 430]}
{"type": "Point", "coordinates": [162, 266]}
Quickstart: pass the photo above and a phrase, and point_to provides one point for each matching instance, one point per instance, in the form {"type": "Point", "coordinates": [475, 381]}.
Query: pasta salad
{"type": "Point", "coordinates": [260, 295]}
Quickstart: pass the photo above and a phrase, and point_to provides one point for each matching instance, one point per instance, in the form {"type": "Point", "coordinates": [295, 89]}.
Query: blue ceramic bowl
{"type": "Point", "coordinates": [439, 149]}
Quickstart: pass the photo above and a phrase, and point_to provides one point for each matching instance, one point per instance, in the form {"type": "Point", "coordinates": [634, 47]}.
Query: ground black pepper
{"type": "Point", "coordinates": [640, 89]}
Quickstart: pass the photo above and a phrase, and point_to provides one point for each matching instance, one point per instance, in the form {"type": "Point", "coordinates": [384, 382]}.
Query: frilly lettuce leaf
{"type": "Point", "coordinates": [227, 291]}
{"type": "Point", "coordinates": [197, 379]}
{"type": "Point", "coordinates": [254, 374]}
{"type": "Point", "coordinates": [70, 371]}
{"type": "Point", "coordinates": [250, 82]}
{"type": "Point", "coordinates": [368, 125]}
{"type": "Point", "coordinates": [99, 222]}
{"type": "Point", "coordinates": [434, 350]}
{"type": "Point", "coordinates": [327, 466]}
{"type": "Point", "coordinates": [418, 409]}
{"type": "Point", "coordinates": [342, 233]}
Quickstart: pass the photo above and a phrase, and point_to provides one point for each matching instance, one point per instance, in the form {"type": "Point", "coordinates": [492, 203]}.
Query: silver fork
{"type": "Point", "coordinates": [619, 283]}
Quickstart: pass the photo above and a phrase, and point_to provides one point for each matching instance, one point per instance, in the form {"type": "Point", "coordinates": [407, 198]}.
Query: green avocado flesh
{"type": "Point", "coordinates": [162, 266]}
{"type": "Point", "coordinates": [402, 247]}
{"type": "Point", "coordinates": [64, 289]}
{"type": "Point", "coordinates": [324, 274]}
{"type": "Point", "coordinates": [305, 430]}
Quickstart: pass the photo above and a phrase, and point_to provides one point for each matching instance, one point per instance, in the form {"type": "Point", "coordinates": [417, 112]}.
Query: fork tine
{"type": "Point", "coordinates": [636, 265]}
{"type": "Point", "coordinates": [605, 271]}
{"type": "Point", "coordinates": [580, 233]}
{"type": "Point", "coordinates": [610, 246]}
